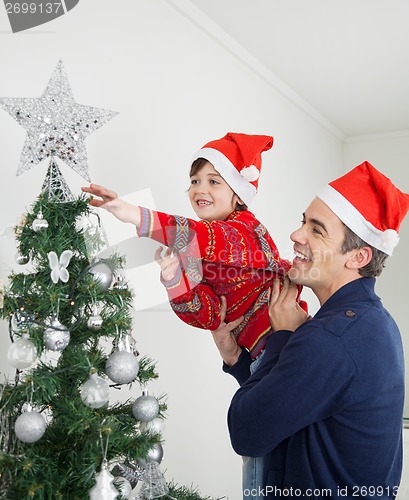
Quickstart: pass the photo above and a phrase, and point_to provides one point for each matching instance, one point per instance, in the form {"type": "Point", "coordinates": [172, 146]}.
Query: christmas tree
{"type": "Point", "coordinates": [70, 323]}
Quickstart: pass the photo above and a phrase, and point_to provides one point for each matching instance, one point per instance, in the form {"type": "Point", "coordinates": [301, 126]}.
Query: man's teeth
{"type": "Point", "coordinates": [301, 256]}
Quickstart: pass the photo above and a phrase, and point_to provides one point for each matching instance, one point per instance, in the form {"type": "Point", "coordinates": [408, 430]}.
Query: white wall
{"type": "Point", "coordinates": [175, 88]}
{"type": "Point", "coordinates": [390, 153]}
{"type": "Point", "coordinates": [403, 492]}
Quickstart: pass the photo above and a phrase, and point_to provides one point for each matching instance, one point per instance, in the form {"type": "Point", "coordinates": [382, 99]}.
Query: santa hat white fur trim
{"type": "Point", "coordinates": [385, 241]}
{"type": "Point", "coordinates": [244, 190]}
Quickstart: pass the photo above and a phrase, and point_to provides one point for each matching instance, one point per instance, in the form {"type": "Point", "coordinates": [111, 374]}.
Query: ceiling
{"type": "Point", "coordinates": [347, 61]}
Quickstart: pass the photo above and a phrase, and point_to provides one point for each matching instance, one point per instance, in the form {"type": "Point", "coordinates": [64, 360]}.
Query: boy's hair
{"type": "Point", "coordinates": [377, 263]}
{"type": "Point", "coordinates": [197, 165]}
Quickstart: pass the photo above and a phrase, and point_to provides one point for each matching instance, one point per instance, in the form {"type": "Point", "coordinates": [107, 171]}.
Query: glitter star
{"type": "Point", "coordinates": [56, 125]}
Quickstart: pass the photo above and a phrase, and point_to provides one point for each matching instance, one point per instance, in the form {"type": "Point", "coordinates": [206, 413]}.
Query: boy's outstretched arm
{"type": "Point", "coordinates": [122, 210]}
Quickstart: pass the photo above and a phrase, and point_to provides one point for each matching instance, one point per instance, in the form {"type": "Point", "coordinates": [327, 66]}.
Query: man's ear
{"type": "Point", "coordinates": [359, 258]}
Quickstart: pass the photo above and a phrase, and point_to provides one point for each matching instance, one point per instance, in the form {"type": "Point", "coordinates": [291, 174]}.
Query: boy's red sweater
{"type": "Point", "coordinates": [235, 257]}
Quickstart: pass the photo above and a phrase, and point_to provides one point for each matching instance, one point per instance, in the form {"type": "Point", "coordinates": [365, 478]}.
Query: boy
{"type": "Point", "coordinates": [228, 252]}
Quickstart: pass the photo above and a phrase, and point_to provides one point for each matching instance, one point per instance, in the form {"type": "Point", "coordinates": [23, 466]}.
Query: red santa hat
{"type": "Point", "coordinates": [369, 204]}
{"type": "Point", "coordinates": [237, 158]}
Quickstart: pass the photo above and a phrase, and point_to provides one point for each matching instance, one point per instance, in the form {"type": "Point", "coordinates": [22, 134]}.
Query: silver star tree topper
{"type": "Point", "coordinates": [56, 125]}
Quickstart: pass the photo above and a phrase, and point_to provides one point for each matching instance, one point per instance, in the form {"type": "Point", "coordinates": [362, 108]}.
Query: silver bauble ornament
{"type": "Point", "coordinates": [30, 426]}
{"type": "Point", "coordinates": [22, 353]}
{"type": "Point", "coordinates": [56, 336]}
{"type": "Point", "coordinates": [22, 259]}
{"type": "Point", "coordinates": [145, 407]}
{"type": "Point", "coordinates": [154, 426]}
{"type": "Point", "coordinates": [122, 367]}
{"type": "Point", "coordinates": [120, 283]}
{"type": "Point", "coordinates": [95, 391]}
{"type": "Point", "coordinates": [155, 454]}
{"type": "Point", "coordinates": [125, 342]}
{"type": "Point", "coordinates": [95, 322]}
{"type": "Point", "coordinates": [102, 274]}
{"type": "Point", "coordinates": [103, 488]}
{"type": "Point", "coordinates": [39, 223]}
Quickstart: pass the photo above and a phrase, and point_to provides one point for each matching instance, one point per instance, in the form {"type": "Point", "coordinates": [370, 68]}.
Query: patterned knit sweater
{"type": "Point", "coordinates": [235, 257]}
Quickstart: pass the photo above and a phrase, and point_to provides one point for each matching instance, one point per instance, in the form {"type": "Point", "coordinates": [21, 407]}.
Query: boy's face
{"type": "Point", "coordinates": [210, 195]}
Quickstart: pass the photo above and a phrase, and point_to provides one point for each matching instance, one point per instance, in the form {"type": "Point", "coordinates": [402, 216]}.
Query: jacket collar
{"type": "Point", "coordinates": [362, 289]}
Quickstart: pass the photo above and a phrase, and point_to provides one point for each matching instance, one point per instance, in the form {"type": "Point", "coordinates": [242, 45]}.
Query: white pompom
{"type": "Point", "coordinates": [390, 238]}
{"type": "Point", "coordinates": [250, 173]}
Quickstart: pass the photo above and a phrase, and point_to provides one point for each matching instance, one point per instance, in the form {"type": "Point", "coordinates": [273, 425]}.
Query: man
{"type": "Point", "coordinates": [325, 406]}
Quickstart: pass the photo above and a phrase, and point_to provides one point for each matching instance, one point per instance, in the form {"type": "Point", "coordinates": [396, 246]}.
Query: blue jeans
{"type": "Point", "coordinates": [253, 467]}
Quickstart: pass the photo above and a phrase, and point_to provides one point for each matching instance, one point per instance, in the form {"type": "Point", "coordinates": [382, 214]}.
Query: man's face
{"type": "Point", "coordinates": [319, 263]}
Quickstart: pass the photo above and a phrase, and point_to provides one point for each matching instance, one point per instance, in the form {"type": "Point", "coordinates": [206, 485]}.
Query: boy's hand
{"type": "Point", "coordinates": [122, 210]}
{"type": "Point", "coordinates": [169, 263]}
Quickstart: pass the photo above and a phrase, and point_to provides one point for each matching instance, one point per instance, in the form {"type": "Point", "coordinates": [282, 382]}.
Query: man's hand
{"type": "Point", "coordinates": [284, 312]}
{"type": "Point", "coordinates": [224, 339]}
{"type": "Point", "coordinates": [169, 263]}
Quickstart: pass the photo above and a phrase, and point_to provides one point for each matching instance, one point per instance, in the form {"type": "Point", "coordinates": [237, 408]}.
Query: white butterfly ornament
{"type": "Point", "coordinates": [59, 266]}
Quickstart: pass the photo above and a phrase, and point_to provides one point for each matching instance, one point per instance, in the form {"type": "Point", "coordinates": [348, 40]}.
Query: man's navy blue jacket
{"type": "Point", "coordinates": [325, 406]}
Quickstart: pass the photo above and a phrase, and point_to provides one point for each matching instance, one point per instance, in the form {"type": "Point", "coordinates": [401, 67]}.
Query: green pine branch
{"type": "Point", "coordinates": [63, 463]}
